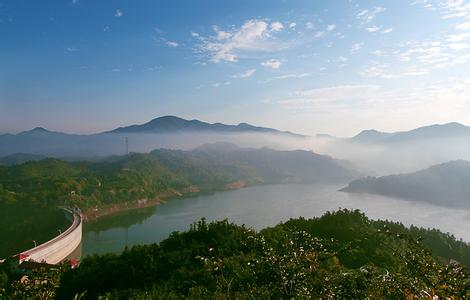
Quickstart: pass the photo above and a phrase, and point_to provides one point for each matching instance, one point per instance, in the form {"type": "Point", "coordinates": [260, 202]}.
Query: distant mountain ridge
{"type": "Point", "coordinates": [172, 124]}
{"type": "Point", "coordinates": [40, 141]}
{"type": "Point", "coordinates": [444, 184]}
{"type": "Point", "coordinates": [448, 130]}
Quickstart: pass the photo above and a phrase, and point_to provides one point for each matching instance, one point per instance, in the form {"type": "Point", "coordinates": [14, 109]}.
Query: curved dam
{"type": "Point", "coordinates": [59, 248]}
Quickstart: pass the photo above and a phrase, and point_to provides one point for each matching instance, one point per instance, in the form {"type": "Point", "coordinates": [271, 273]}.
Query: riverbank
{"type": "Point", "coordinates": [192, 191]}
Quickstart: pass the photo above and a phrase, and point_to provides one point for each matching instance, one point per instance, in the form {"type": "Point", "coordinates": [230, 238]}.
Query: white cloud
{"type": "Point", "coordinates": [356, 47]}
{"type": "Point", "coordinates": [373, 29]}
{"type": "Point", "coordinates": [252, 36]}
{"type": "Point", "coordinates": [172, 44]}
{"type": "Point", "coordinates": [194, 34]}
{"type": "Point", "coordinates": [459, 46]}
{"type": "Point", "coordinates": [463, 26]}
{"type": "Point", "coordinates": [309, 25]}
{"type": "Point", "coordinates": [106, 28]}
{"type": "Point", "coordinates": [388, 30]}
{"type": "Point", "coordinates": [119, 13]}
{"type": "Point", "coordinates": [277, 26]}
{"type": "Point", "coordinates": [377, 70]}
{"type": "Point", "coordinates": [415, 71]}
{"type": "Point", "coordinates": [449, 9]}
{"type": "Point", "coordinates": [71, 49]}
{"type": "Point", "coordinates": [287, 76]}
{"type": "Point", "coordinates": [458, 37]}
{"type": "Point", "coordinates": [331, 27]}
{"type": "Point", "coordinates": [366, 16]}
{"type": "Point", "coordinates": [218, 84]}
{"type": "Point", "coordinates": [378, 53]}
{"type": "Point", "coordinates": [295, 76]}
{"type": "Point", "coordinates": [292, 25]}
{"type": "Point", "coordinates": [272, 63]}
{"type": "Point", "coordinates": [246, 74]}
{"type": "Point", "coordinates": [319, 34]}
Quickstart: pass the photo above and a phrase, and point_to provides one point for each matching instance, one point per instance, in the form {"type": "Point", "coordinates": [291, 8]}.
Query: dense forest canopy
{"type": "Point", "coordinates": [340, 255]}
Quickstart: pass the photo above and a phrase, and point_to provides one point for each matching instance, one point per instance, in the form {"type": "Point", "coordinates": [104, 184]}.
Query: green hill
{"type": "Point", "coordinates": [35, 189]}
{"type": "Point", "coordinates": [341, 255]}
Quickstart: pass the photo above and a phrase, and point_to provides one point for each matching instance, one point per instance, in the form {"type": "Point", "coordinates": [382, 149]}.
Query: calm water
{"type": "Point", "coordinates": [259, 207]}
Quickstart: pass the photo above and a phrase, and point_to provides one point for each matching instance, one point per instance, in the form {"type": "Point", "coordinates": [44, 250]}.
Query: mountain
{"type": "Point", "coordinates": [431, 132]}
{"type": "Point", "coordinates": [445, 184]}
{"type": "Point", "coordinates": [171, 124]}
{"type": "Point", "coordinates": [168, 131]}
{"type": "Point", "coordinates": [282, 166]}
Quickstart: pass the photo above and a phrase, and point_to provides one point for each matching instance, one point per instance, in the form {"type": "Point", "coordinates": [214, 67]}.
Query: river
{"type": "Point", "coordinates": [259, 207]}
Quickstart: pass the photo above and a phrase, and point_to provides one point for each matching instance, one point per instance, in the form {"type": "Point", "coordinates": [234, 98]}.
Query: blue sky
{"type": "Point", "coordinates": [307, 66]}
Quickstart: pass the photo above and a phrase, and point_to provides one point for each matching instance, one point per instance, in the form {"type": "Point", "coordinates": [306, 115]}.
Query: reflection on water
{"type": "Point", "coordinates": [259, 207]}
{"type": "Point", "coordinates": [123, 219]}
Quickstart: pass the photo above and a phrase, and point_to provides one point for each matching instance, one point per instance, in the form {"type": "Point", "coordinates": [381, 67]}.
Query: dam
{"type": "Point", "coordinates": [59, 248]}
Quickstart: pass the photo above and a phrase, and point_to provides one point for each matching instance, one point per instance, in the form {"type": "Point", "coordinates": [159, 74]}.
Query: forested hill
{"type": "Point", "coordinates": [159, 174]}
{"type": "Point", "coordinates": [136, 177]}
{"type": "Point", "coordinates": [33, 190]}
{"type": "Point", "coordinates": [445, 184]}
{"type": "Point", "coordinates": [342, 255]}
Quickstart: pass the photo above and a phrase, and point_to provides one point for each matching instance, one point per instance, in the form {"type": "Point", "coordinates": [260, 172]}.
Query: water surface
{"type": "Point", "coordinates": [259, 207]}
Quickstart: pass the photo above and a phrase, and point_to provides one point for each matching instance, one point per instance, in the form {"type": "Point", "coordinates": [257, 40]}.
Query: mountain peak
{"type": "Point", "coordinates": [370, 135]}
{"type": "Point", "coordinates": [36, 130]}
{"type": "Point", "coordinates": [171, 124]}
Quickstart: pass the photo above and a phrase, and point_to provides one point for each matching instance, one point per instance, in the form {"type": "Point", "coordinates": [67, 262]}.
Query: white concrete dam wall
{"type": "Point", "coordinates": [56, 250]}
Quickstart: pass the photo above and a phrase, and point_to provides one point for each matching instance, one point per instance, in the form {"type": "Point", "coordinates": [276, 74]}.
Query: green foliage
{"type": "Point", "coordinates": [30, 193]}
{"type": "Point", "coordinates": [356, 258]}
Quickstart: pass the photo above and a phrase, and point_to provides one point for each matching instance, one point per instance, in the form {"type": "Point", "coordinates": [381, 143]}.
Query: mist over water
{"type": "Point", "coordinates": [259, 207]}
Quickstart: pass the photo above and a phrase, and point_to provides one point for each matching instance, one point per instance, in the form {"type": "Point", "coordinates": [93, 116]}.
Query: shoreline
{"type": "Point", "coordinates": [193, 191]}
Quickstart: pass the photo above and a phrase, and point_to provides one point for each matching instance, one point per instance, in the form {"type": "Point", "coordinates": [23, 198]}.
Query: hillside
{"type": "Point", "coordinates": [19, 158]}
{"type": "Point", "coordinates": [37, 187]}
{"type": "Point", "coordinates": [444, 184]}
{"type": "Point", "coordinates": [341, 255]}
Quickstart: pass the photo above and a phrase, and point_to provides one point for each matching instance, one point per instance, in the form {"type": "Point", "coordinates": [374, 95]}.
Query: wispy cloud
{"type": "Point", "coordinates": [272, 63]}
{"type": "Point", "coordinates": [463, 26]}
{"type": "Point", "coordinates": [368, 15]}
{"type": "Point", "coordinates": [344, 95]}
{"type": "Point", "coordinates": [373, 29]}
{"type": "Point", "coordinates": [253, 36]}
{"type": "Point", "coordinates": [288, 76]}
{"type": "Point", "coordinates": [378, 70]}
{"type": "Point", "coordinates": [220, 84]}
{"type": "Point", "coordinates": [458, 37]}
{"type": "Point", "coordinates": [356, 47]}
{"type": "Point", "coordinates": [446, 99]}
{"type": "Point", "coordinates": [246, 74]}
